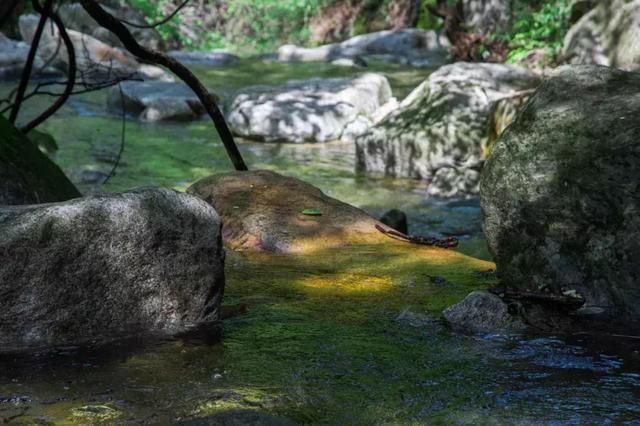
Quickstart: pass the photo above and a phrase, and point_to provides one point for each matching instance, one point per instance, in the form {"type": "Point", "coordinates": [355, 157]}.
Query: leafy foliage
{"type": "Point", "coordinates": [542, 26]}
{"type": "Point", "coordinates": [426, 20]}
{"type": "Point", "coordinates": [271, 22]}
{"type": "Point", "coordinates": [157, 10]}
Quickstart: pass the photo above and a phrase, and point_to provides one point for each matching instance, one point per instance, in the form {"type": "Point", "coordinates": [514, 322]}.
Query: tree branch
{"type": "Point", "coordinates": [28, 66]}
{"type": "Point", "coordinates": [71, 73]}
{"type": "Point", "coordinates": [122, 136]}
{"type": "Point", "coordinates": [109, 22]}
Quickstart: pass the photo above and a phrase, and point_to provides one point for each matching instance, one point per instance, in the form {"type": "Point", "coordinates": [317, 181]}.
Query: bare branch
{"type": "Point", "coordinates": [156, 24]}
{"type": "Point", "coordinates": [71, 73]}
{"type": "Point", "coordinates": [109, 22]}
{"type": "Point", "coordinates": [86, 88]}
{"type": "Point", "coordinates": [26, 72]}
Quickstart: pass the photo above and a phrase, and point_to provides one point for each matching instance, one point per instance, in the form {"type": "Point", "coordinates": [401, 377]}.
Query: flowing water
{"type": "Point", "coordinates": [446, 379]}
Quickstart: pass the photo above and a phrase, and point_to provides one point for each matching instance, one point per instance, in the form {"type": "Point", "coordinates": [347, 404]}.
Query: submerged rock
{"type": "Point", "coordinates": [560, 193]}
{"type": "Point", "coordinates": [156, 100]}
{"type": "Point", "coordinates": [410, 46]}
{"type": "Point", "coordinates": [481, 312]}
{"type": "Point", "coordinates": [608, 35]}
{"type": "Point", "coordinates": [438, 131]}
{"type": "Point", "coordinates": [204, 58]}
{"type": "Point", "coordinates": [314, 110]}
{"type": "Point", "coordinates": [27, 176]}
{"type": "Point", "coordinates": [103, 267]}
{"type": "Point", "coordinates": [239, 417]}
{"type": "Point", "coordinates": [95, 59]}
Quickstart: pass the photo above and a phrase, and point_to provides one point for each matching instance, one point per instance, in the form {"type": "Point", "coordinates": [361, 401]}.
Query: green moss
{"type": "Point", "coordinates": [94, 414]}
{"type": "Point", "coordinates": [319, 342]}
{"type": "Point", "coordinates": [321, 330]}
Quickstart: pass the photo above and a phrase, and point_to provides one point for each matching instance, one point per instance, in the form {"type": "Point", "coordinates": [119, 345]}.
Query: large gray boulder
{"type": "Point", "coordinates": [148, 261]}
{"type": "Point", "coordinates": [409, 46]}
{"type": "Point", "coordinates": [314, 110]}
{"type": "Point", "coordinates": [27, 176]}
{"type": "Point", "coordinates": [155, 101]}
{"type": "Point", "coordinates": [13, 55]}
{"type": "Point", "coordinates": [437, 132]}
{"type": "Point", "coordinates": [560, 193]}
{"type": "Point", "coordinates": [607, 35]}
{"type": "Point", "coordinates": [95, 59]}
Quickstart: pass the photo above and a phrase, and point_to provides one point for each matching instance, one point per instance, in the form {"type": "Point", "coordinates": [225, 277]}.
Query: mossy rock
{"type": "Point", "coordinates": [559, 193]}
{"type": "Point", "coordinates": [27, 175]}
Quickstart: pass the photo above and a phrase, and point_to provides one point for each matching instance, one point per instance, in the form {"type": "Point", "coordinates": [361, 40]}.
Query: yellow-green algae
{"type": "Point", "coordinates": [318, 342]}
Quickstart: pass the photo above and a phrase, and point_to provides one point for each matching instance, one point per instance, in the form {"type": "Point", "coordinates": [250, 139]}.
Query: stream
{"type": "Point", "coordinates": [485, 379]}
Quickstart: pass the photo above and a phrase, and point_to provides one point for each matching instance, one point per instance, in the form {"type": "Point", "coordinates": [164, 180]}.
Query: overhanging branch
{"type": "Point", "coordinates": [71, 73]}
{"type": "Point", "coordinates": [108, 21]}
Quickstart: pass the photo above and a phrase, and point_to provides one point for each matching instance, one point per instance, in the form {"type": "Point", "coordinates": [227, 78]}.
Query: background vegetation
{"type": "Point", "coordinates": [536, 25]}
{"type": "Point", "coordinates": [258, 26]}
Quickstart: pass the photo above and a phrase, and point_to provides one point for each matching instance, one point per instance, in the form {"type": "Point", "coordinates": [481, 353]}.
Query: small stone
{"type": "Point", "coordinates": [92, 176]}
{"type": "Point", "coordinates": [396, 219]}
{"type": "Point", "coordinates": [481, 312]}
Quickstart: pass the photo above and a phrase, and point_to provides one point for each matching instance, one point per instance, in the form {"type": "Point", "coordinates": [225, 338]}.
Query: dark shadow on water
{"type": "Point", "coordinates": [48, 360]}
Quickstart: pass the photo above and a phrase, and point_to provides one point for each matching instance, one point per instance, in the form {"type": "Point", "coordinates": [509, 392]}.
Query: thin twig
{"type": "Point", "coordinates": [122, 137]}
{"type": "Point", "coordinates": [109, 22]}
{"type": "Point", "coordinates": [87, 88]}
{"type": "Point", "coordinates": [156, 24]}
{"type": "Point", "coordinates": [71, 73]}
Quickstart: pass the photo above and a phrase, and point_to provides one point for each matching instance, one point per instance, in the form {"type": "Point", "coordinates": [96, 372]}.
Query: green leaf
{"type": "Point", "coordinates": [312, 212]}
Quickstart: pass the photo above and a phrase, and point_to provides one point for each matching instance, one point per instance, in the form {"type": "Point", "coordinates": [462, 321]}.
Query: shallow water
{"type": "Point", "coordinates": [177, 154]}
{"type": "Point", "coordinates": [442, 378]}
{"type": "Point", "coordinates": [476, 380]}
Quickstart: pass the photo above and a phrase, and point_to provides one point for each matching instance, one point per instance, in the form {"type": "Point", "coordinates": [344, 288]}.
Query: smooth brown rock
{"type": "Point", "coordinates": [263, 210]}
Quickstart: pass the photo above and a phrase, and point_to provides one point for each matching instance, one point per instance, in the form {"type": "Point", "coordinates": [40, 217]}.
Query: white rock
{"type": "Point", "coordinates": [410, 45]}
{"type": "Point", "coordinates": [437, 132]}
{"type": "Point", "coordinates": [315, 110]}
